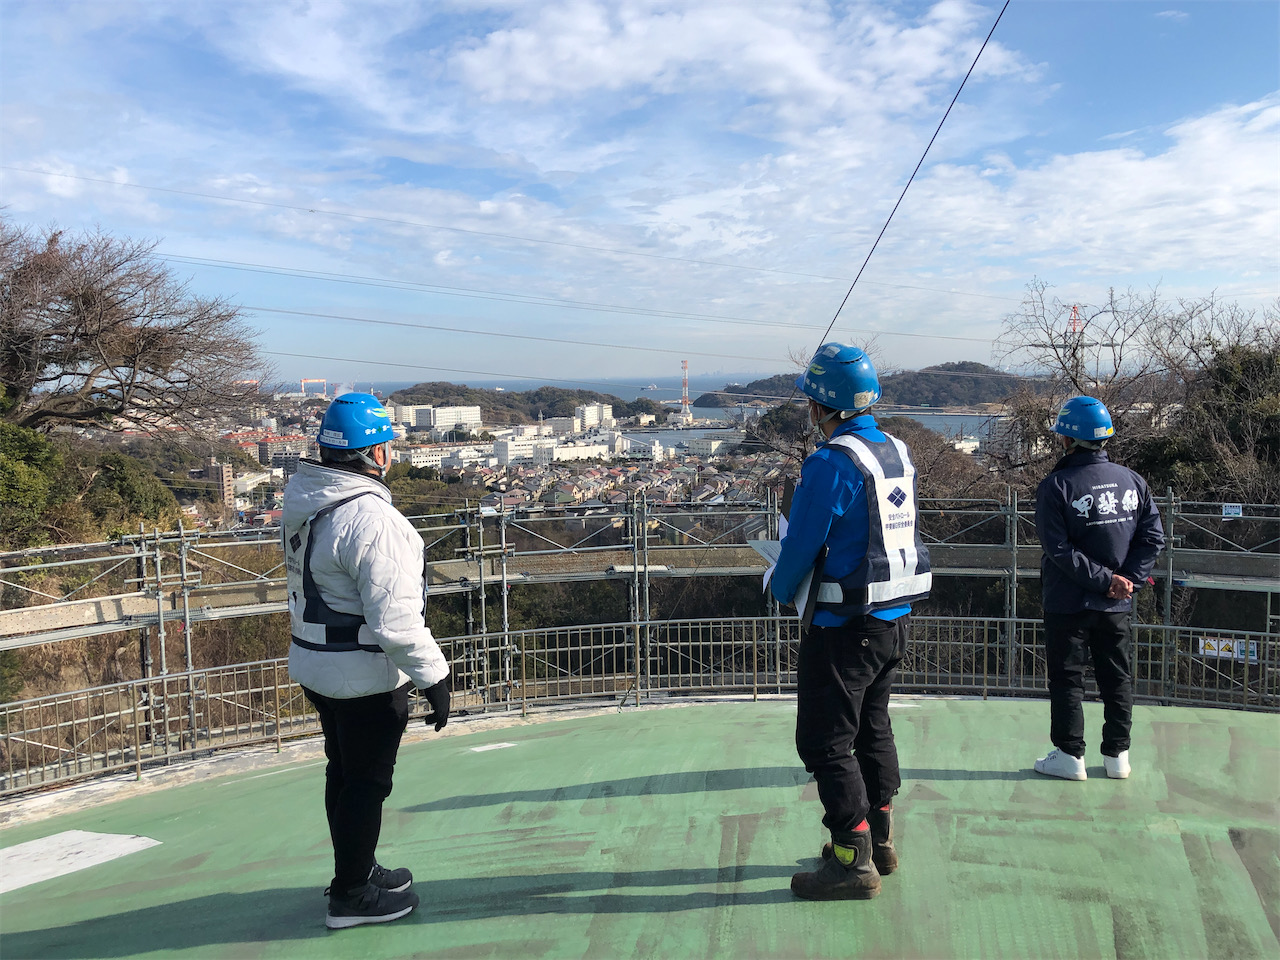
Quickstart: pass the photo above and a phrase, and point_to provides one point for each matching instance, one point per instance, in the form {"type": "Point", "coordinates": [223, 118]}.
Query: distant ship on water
{"type": "Point", "coordinates": [652, 386]}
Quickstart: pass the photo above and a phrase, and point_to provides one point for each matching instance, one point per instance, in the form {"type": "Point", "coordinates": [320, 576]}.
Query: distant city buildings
{"type": "Point", "coordinates": [222, 476]}
{"type": "Point", "coordinates": [442, 420]}
{"type": "Point", "coordinates": [595, 415]}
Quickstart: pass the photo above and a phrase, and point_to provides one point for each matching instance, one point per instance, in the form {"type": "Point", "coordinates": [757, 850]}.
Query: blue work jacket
{"type": "Point", "coordinates": [829, 507]}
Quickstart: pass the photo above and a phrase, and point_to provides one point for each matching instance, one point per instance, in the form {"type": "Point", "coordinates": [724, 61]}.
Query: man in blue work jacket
{"type": "Point", "coordinates": [1100, 534]}
{"type": "Point", "coordinates": [853, 516]}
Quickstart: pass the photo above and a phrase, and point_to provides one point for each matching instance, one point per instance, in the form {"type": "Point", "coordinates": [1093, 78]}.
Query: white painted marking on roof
{"type": "Point", "coordinates": [26, 863]}
{"type": "Point", "coordinates": [288, 769]}
{"type": "Point", "coordinates": [491, 746]}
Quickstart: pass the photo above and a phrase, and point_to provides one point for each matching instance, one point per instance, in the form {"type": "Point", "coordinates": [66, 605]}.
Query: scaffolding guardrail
{"type": "Point", "coordinates": [139, 724]}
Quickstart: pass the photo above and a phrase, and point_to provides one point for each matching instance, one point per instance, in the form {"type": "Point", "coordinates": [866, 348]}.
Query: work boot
{"type": "Point", "coordinates": [397, 880]}
{"type": "Point", "coordinates": [883, 853]}
{"type": "Point", "coordinates": [858, 880]}
{"type": "Point", "coordinates": [367, 904]}
{"type": "Point", "coordinates": [1063, 765]}
{"type": "Point", "coordinates": [1117, 767]}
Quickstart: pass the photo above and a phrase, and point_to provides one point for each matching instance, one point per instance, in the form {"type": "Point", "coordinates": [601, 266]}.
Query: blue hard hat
{"type": "Point", "coordinates": [355, 421]}
{"type": "Point", "coordinates": [840, 377]}
{"type": "Point", "coordinates": [1084, 418]}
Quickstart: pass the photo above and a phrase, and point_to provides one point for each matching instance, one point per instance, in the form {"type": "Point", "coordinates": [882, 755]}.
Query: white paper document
{"type": "Point", "coordinates": [771, 550]}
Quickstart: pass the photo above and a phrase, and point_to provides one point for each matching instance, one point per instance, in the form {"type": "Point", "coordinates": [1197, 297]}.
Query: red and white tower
{"type": "Point", "coordinates": [685, 413]}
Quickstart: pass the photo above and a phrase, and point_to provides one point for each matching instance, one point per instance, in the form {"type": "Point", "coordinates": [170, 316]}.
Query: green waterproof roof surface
{"type": "Point", "coordinates": [673, 832]}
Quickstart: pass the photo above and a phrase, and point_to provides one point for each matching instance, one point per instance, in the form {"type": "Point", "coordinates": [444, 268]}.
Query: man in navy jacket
{"type": "Point", "coordinates": [1100, 534]}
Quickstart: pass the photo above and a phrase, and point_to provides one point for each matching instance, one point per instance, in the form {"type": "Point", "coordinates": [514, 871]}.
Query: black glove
{"type": "Point", "coordinates": [438, 696]}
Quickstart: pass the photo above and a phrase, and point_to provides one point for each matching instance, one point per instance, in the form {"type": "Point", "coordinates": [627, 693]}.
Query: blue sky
{"type": "Point", "coordinates": [576, 190]}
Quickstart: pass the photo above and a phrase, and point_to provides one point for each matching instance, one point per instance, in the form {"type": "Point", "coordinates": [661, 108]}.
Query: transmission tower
{"type": "Point", "coordinates": [1070, 347]}
{"type": "Point", "coordinates": [685, 413]}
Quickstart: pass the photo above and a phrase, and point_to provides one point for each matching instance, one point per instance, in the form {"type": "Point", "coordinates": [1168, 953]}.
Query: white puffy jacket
{"type": "Point", "coordinates": [366, 560]}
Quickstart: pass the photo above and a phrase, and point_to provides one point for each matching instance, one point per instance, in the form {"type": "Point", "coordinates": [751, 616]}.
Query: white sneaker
{"type": "Point", "coordinates": [1064, 765]}
{"type": "Point", "coordinates": [1117, 767]}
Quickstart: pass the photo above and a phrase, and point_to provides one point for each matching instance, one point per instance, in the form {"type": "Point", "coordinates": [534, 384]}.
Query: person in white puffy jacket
{"type": "Point", "coordinates": [354, 566]}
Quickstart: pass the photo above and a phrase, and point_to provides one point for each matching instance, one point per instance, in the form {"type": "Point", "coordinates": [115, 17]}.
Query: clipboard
{"type": "Point", "coordinates": [806, 596]}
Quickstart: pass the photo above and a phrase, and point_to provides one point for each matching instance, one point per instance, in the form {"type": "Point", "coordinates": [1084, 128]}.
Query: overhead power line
{"type": "Point", "coordinates": [507, 297]}
{"type": "Point", "coordinates": [470, 331]}
{"type": "Point", "coordinates": [400, 221]}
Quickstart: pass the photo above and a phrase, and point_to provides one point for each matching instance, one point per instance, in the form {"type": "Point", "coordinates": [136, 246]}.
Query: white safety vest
{"type": "Point", "coordinates": [896, 569]}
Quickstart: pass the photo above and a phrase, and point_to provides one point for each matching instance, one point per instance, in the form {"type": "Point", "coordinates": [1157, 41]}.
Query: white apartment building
{"type": "Point", "coordinates": [595, 415]}
{"type": "Point", "coordinates": [710, 446]}
{"type": "Point", "coordinates": [413, 415]}
{"type": "Point", "coordinates": [445, 419]}
{"type": "Point", "coordinates": [545, 453]}
{"type": "Point", "coordinates": [515, 448]}
{"type": "Point", "coordinates": [563, 426]}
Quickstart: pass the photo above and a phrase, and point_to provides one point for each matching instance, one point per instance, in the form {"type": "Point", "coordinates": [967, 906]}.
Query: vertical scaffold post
{"type": "Point", "coordinates": [137, 738]}
{"type": "Point", "coordinates": [774, 652]}
{"type": "Point", "coordinates": [633, 598]}
{"type": "Point", "coordinates": [466, 543]}
{"type": "Point", "coordinates": [186, 637]}
{"type": "Point", "coordinates": [648, 616]}
{"type": "Point", "coordinates": [1013, 553]}
{"type": "Point", "coordinates": [484, 622]}
{"type": "Point", "coordinates": [275, 685]}
{"type": "Point", "coordinates": [755, 663]}
{"type": "Point", "coordinates": [1171, 511]}
{"type": "Point", "coordinates": [164, 663]}
{"type": "Point", "coordinates": [506, 625]}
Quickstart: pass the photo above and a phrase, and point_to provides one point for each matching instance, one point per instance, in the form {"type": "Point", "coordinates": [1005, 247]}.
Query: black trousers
{"type": "Point", "coordinates": [843, 734]}
{"type": "Point", "coordinates": [361, 739]}
{"type": "Point", "coordinates": [1070, 640]}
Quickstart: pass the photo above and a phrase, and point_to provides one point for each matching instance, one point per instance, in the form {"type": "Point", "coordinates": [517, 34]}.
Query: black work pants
{"type": "Point", "coordinates": [843, 734]}
{"type": "Point", "coordinates": [361, 739]}
{"type": "Point", "coordinates": [1070, 640]}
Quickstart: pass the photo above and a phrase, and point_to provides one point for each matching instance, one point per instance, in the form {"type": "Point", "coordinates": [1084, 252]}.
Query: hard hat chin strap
{"type": "Point", "coordinates": [380, 467]}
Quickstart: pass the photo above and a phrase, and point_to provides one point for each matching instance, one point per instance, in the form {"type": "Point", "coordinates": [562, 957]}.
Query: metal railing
{"type": "Point", "coordinates": [170, 580]}
{"type": "Point", "coordinates": [137, 724]}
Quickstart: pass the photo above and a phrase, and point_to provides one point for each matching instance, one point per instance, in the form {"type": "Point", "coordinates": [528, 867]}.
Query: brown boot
{"type": "Point", "coordinates": [883, 853]}
{"type": "Point", "coordinates": [834, 881]}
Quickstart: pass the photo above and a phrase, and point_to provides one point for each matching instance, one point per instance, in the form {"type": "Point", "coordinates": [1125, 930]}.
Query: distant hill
{"type": "Point", "coordinates": [502, 407]}
{"type": "Point", "coordinates": [946, 385]}
{"type": "Point", "coordinates": [949, 385]}
{"type": "Point", "coordinates": [780, 386]}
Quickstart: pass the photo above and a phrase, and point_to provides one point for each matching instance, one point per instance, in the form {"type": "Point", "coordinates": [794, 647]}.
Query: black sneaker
{"type": "Point", "coordinates": [396, 881]}
{"type": "Point", "coordinates": [368, 904]}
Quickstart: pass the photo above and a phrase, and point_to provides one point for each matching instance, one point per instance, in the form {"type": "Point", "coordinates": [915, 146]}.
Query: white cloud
{"type": "Point", "coordinates": [1178, 15]}
{"type": "Point", "coordinates": [1209, 201]}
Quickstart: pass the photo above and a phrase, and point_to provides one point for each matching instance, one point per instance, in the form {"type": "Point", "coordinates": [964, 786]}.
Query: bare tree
{"type": "Point", "coordinates": [96, 330]}
{"type": "Point", "coordinates": [1168, 370]}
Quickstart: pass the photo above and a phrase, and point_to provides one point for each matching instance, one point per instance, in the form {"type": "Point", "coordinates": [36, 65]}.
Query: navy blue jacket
{"type": "Point", "coordinates": [1095, 518]}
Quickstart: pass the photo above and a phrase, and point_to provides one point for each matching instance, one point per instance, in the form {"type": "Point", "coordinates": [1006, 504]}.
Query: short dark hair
{"type": "Point", "coordinates": [335, 457]}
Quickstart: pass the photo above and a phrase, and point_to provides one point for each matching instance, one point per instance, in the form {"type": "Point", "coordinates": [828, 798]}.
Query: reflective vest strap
{"type": "Point", "coordinates": [333, 647]}
{"type": "Point", "coordinates": [325, 628]}
{"type": "Point", "coordinates": [886, 577]}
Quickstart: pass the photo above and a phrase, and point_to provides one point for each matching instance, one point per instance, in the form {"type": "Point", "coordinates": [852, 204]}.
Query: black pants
{"type": "Point", "coordinates": [843, 734]}
{"type": "Point", "coordinates": [361, 738]}
{"type": "Point", "coordinates": [1070, 639]}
